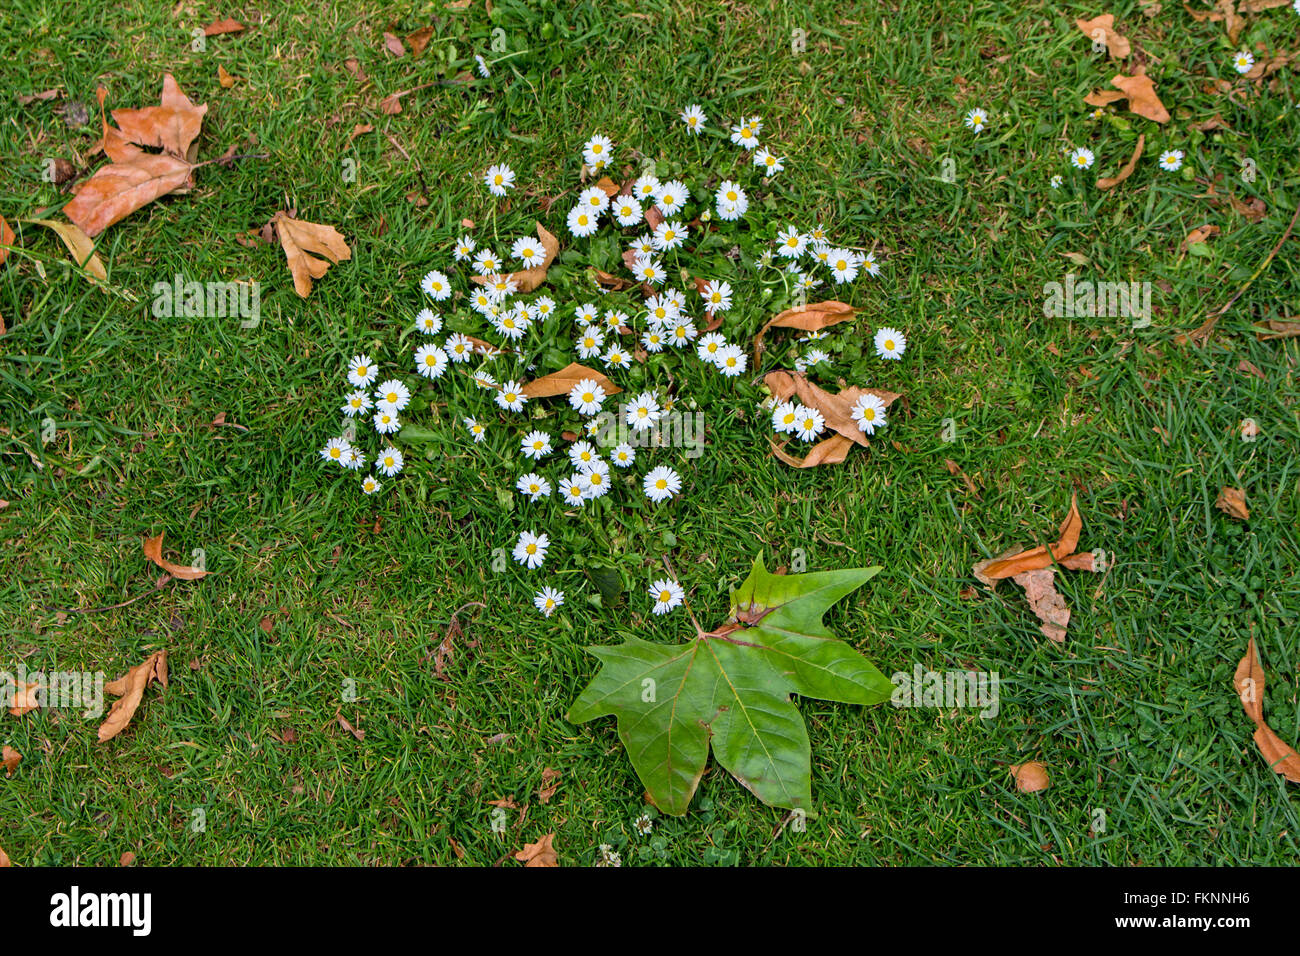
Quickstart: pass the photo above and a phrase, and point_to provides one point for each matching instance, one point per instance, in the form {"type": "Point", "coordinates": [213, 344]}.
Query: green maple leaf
{"type": "Point", "coordinates": [730, 688]}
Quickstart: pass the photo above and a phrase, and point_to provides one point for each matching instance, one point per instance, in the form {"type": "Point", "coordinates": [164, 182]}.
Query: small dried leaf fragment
{"type": "Point", "coordinates": [550, 783]}
{"type": "Point", "coordinates": [129, 690]}
{"type": "Point", "coordinates": [1198, 235]}
{"type": "Point", "coordinates": [310, 249]}
{"type": "Point", "coordinates": [1232, 502]}
{"type": "Point", "coordinates": [541, 853]}
{"type": "Point", "coordinates": [7, 238]}
{"type": "Point", "coordinates": [222, 27]}
{"type": "Point", "coordinates": [562, 382]}
{"type": "Point", "coordinates": [1044, 600]}
{"type": "Point", "coordinates": [1110, 182]}
{"type": "Point", "coordinates": [1030, 777]}
{"type": "Point", "coordinates": [153, 551]}
{"type": "Point", "coordinates": [78, 243]}
{"type": "Point", "coordinates": [10, 759]}
{"type": "Point", "coordinates": [1249, 681]}
{"type": "Point", "coordinates": [25, 698]}
{"type": "Point", "coordinates": [1103, 28]}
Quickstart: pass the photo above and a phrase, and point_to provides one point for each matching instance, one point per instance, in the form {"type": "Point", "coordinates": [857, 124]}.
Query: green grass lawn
{"type": "Point", "coordinates": [1135, 715]}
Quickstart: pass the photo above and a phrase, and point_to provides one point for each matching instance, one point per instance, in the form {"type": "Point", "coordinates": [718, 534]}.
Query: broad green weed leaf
{"type": "Point", "coordinates": [730, 689]}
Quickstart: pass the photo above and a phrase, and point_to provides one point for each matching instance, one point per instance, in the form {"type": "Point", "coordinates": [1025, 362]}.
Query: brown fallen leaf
{"type": "Point", "coordinates": [1250, 368]}
{"type": "Point", "coordinates": [1249, 681]}
{"type": "Point", "coordinates": [1102, 28]}
{"type": "Point", "coordinates": [25, 99]}
{"type": "Point", "coordinates": [346, 725]}
{"type": "Point", "coordinates": [1266, 67]}
{"type": "Point", "coordinates": [562, 382]}
{"type": "Point", "coordinates": [810, 318]}
{"type": "Point", "coordinates": [1257, 6]}
{"type": "Point", "coordinates": [300, 239]}
{"type": "Point", "coordinates": [224, 77]}
{"type": "Point", "coordinates": [25, 698]}
{"type": "Point", "coordinates": [7, 238]}
{"type": "Point", "coordinates": [393, 45]}
{"type": "Point", "coordinates": [222, 27]}
{"type": "Point", "coordinates": [1042, 556]}
{"type": "Point", "coordinates": [828, 451]}
{"type": "Point", "coordinates": [4, 858]}
{"type": "Point", "coordinates": [1103, 97]}
{"type": "Point", "coordinates": [1030, 777]}
{"type": "Point", "coordinates": [1199, 234]}
{"type": "Point", "coordinates": [129, 689]}
{"type": "Point", "coordinates": [540, 853]}
{"type": "Point", "coordinates": [530, 279]}
{"type": "Point", "coordinates": [955, 470]}
{"type": "Point", "coordinates": [550, 783]}
{"type": "Point", "coordinates": [78, 243]}
{"type": "Point", "coordinates": [1127, 169]}
{"type": "Point", "coordinates": [1252, 210]}
{"type": "Point", "coordinates": [1140, 93]}
{"type": "Point", "coordinates": [1232, 502]}
{"type": "Point", "coordinates": [153, 551]}
{"type": "Point", "coordinates": [10, 759]}
{"type": "Point", "coordinates": [612, 282]}
{"type": "Point", "coordinates": [359, 130]}
{"type": "Point", "coordinates": [126, 859]}
{"type": "Point", "coordinates": [1044, 600]}
{"type": "Point", "coordinates": [1277, 329]}
{"type": "Point", "coordinates": [173, 125]}
{"type": "Point", "coordinates": [836, 409]}
{"type": "Point", "coordinates": [418, 40]}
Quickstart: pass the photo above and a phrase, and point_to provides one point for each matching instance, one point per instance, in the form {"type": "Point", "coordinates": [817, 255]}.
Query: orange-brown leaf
{"type": "Point", "coordinates": [129, 689]}
{"type": "Point", "coordinates": [828, 451]}
{"type": "Point", "coordinates": [541, 853]}
{"type": "Point", "coordinates": [1103, 27]}
{"type": "Point", "coordinates": [1249, 680]}
{"type": "Point", "coordinates": [530, 279]}
{"type": "Point", "coordinates": [810, 318]}
{"type": "Point", "coordinates": [1142, 98]}
{"type": "Point", "coordinates": [120, 188]}
{"type": "Point", "coordinates": [24, 698]}
{"type": "Point", "coordinates": [223, 26]}
{"type": "Point", "coordinates": [1030, 777]}
{"type": "Point", "coordinates": [1232, 502]}
{"type": "Point", "coordinates": [173, 125]}
{"type": "Point", "coordinates": [304, 244]}
{"type": "Point", "coordinates": [1110, 182]}
{"type": "Point", "coordinates": [562, 382]}
{"type": "Point", "coordinates": [7, 238]}
{"type": "Point", "coordinates": [1042, 556]}
{"type": "Point", "coordinates": [1045, 601]}
{"type": "Point", "coordinates": [9, 759]}
{"type": "Point", "coordinates": [153, 551]}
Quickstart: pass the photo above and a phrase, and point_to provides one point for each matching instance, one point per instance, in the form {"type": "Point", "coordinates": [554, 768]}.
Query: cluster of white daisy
{"type": "Point", "coordinates": [662, 320]}
{"type": "Point", "coordinates": [808, 424]}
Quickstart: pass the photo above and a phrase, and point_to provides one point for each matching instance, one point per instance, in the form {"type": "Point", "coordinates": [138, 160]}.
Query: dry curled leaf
{"type": "Point", "coordinates": [1232, 502]}
{"type": "Point", "coordinates": [78, 243]}
{"type": "Point", "coordinates": [418, 40]}
{"type": "Point", "coordinates": [310, 249]}
{"type": "Point", "coordinates": [224, 77]}
{"type": "Point", "coordinates": [562, 382]}
{"type": "Point", "coordinates": [1042, 556]}
{"type": "Point", "coordinates": [1199, 234]}
{"type": "Point", "coordinates": [7, 238]}
{"type": "Point", "coordinates": [1102, 29]}
{"type": "Point", "coordinates": [1044, 600]}
{"type": "Point", "coordinates": [530, 279]}
{"type": "Point", "coordinates": [550, 783]}
{"type": "Point", "coordinates": [4, 858]}
{"type": "Point", "coordinates": [809, 318]}
{"type": "Point", "coordinates": [10, 759]}
{"type": "Point", "coordinates": [24, 697]}
{"type": "Point", "coordinates": [129, 690]}
{"type": "Point", "coordinates": [1142, 98]}
{"type": "Point", "coordinates": [222, 27]}
{"type": "Point", "coordinates": [828, 451]}
{"type": "Point", "coordinates": [1127, 169]}
{"type": "Point", "coordinates": [1249, 681]}
{"type": "Point", "coordinates": [836, 409]}
{"type": "Point", "coordinates": [1030, 777]}
{"type": "Point", "coordinates": [153, 551]}
{"type": "Point", "coordinates": [540, 853]}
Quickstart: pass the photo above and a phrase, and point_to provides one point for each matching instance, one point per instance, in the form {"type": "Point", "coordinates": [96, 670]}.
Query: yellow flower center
{"type": "Point", "coordinates": [665, 596]}
{"type": "Point", "coordinates": [531, 549]}
{"type": "Point", "coordinates": [335, 453]}
{"type": "Point", "coordinates": [661, 484]}
{"type": "Point", "coordinates": [841, 264]}
{"type": "Point", "coordinates": [889, 345]}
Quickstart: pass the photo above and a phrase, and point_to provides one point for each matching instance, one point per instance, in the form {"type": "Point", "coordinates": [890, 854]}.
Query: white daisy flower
{"type": "Point", "coordinates": [682, 334]}
{"type": "Point", "coordinates": [593, 199]}
{"type": "Point", "coordinates": [869, 413]}
{"type": "Point", "coordinates": [499, 179]}
{"type": "Point", "coordinates": [615, 320]}
{"type": "Point", "coordinates": [389, 461]}
{"type": "Point", "coordinates": [590, 343]}
{"type": "Point", "coordinates": [530, 549]}
{"type": "Point", "coordinates": [731, 201]}
{"type": "Point", "coordinates": [770, 163]}
{"type": "Point", "coordinates": [484, 380]}
{"type": "Point", "coordinates": [808, 422]}
{"type": "Point", "coordinates": [573, 491]}
{"type": "Point", "coordinates": [623, 455]}
{"type": "Point", "coordinates": [790, 243]}
{"type": "Point", "coordinates": [668, 594]}
{"type": "Point", "coordinates": [716, 295]}
{"type": "Point", "coordinates": [645, 188]}
{"type": "Point", "coordinates": [430, 361]}
{"type": "Point", "coordinates": [709, 347]}
{"type": "Point", "coordinates": [510, 325]}
{"type": "Point", "coordinates": [502, 286]}
{"type": "Point", "coordinates": [436, 285]}
{"type": "Point", "coordinates": [465, 247]}
{"type": "Point", "coordinates": [643, 411]}
{"type": "Point", "coordinates": [544, 308]}
{"type": "Point", "coordinates": [669, 235]}
{"type": "Point", "coordinates": [615, 357]}
{"type": "Point", "coordinates": [1171, 160]}
{"type": "Point", "coordinates": [869, 264]}
{"type": "Point", "coordinates": [1055, 181]}
{"type": "Point", "coordinates": [785, 417]}
{"type": "Point", "coordinates": [582, 454]}
{"type": "Point", "coordinates": [844, 265]}
{"type": "Point", "coordinates": [694, 118]}
{"type": "Point", "coordinates": [732, 360]}
{"type": "Point", "coordinates": [661, 310]}
{"type": "Point", "coordinates": [647, 269]}
{"type": "Point", "coordinates": [596, 479]}
{"type": "Point", "coordinates": [393, 394]}
{"type": "Point", "coordinates": [582, 222]}
{"type": "Point", "coordinates": [511, 398]}
{"type": "Point", "coordinates": [428, 322]}
{"type": "Point", "coordinates": [534, 486]}
{"type": "Point", "coordinates": [1243, 61]}
{"type": "Point", "coordinates": [745, 133]}
{"type": "Point", "coordinates": [536, 445]}
{"type": "Point", "coordinates": [336, 449]}
{"type": "Point", "coordinates": [483, 70]}
{"type": "Point", "coordinates": [661, 484]}
{"type": "Point", "coordinates": [357, 403]}
{"type": "Point", "coordinates": [598, 149]}
{"type": "Point", "coordinates": [369, 485]}
{"type": "Point", "coordinates": [386, 421]}
{"type": "Point", "coordinates": [643, 245]}
{"type": "Point", "coordinates": [361, 371]}
{"type": "Point", "coordinates": [976, 120]}
{"type": "Point", "coordinates": [476, 429]}
{"type": "Point", "coordinates": [547, 600]}
{"type": "Point", "coordinates": [355, 460]}
{"type": "Point", "coordinates": [459, 348]}
{"type": "Point", "coordinates": [671, 197]}
{"type": "Point", "coordinates": [486, 262]}
{"type": "Point", "coordinates": [653, 340]}
{"type": "Point", "coordinates": [528, 251]}
{"type": "Point", "coordinates": [627, 211]}
{"type": "Point", "coordinates": [890, 343]}
{"type": "Point", "coordinates": [1081, 158]}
